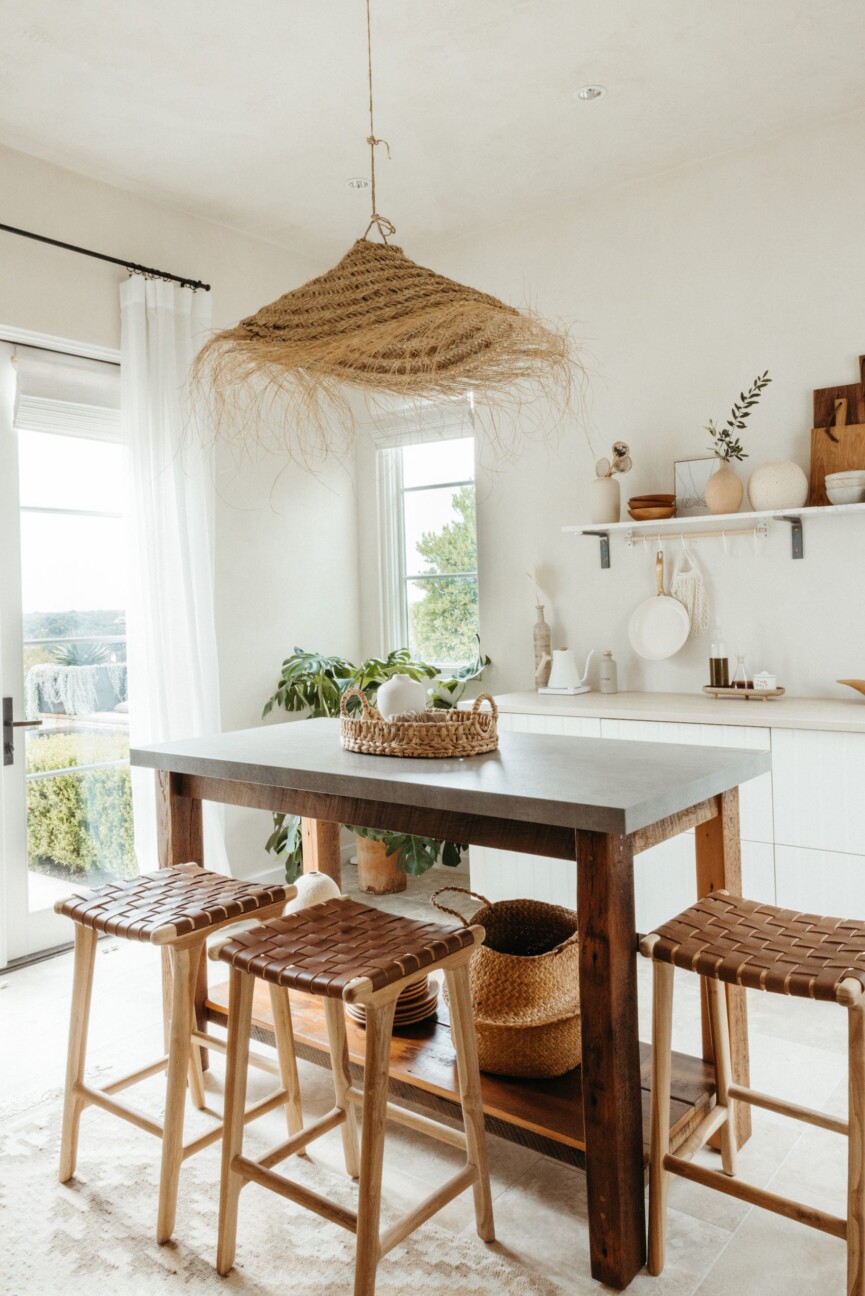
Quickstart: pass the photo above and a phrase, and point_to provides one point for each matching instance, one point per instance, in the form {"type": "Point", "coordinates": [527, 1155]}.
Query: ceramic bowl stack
{"type": "Point", "coordinates": [414, 1005]}
{"type": "Point", "coordinates": [846, 487]}
{"type": "Point", "coordinates": [652, 508]}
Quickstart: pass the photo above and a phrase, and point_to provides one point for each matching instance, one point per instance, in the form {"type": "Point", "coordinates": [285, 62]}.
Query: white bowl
{"type": "Point", "coordinates": [846, 494]}
{"type": "Point", "coordinates": [853, 477]}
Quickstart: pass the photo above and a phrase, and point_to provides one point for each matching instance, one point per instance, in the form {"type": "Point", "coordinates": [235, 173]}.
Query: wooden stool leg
{"type": "Point", "coordinates": [196, 1070]}
{"type": "Point", "coordinates": [241, 986]}
{"type": "Point", "coordinates": [79, 1019]}
{"type": "Point", "coordinates": [184, 970]}
{"type": "Point", "coordinates": [282, 1029]}
{"type": "Point", "coordinates": [723, 1069]}
{"type": "Point", "coordinates": [379, 1026]}
{"type": "Point", "coordinates": [856, 1155]}
{"type": "Point", "coordinates": [659, 1135]}
{"type": "Point", "coordinates": [465, 1043]}
{"type": "Point", "coordinates": [334, 1014]}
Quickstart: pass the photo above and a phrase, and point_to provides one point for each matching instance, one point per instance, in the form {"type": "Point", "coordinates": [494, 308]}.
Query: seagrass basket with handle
{"type": "Point", "coordinates": [429, 734]}
{"type": "Point", "coordinates": [525, 986]}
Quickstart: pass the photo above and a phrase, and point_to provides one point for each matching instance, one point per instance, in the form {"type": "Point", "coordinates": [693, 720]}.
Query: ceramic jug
{"type": "Point", "coordinates": [399, 694]}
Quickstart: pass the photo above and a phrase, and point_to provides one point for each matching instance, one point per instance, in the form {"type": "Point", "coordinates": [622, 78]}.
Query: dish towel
{"type": "Point", "coordinates": [687, 585]}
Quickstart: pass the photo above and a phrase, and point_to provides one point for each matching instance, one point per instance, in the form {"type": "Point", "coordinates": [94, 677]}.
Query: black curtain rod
{"type": "Point", "coordinates": [100, 256]}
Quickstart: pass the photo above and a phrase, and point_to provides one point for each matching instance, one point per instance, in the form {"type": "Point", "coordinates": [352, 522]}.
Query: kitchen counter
{"type": "Point", "coordinates": [827, 714]}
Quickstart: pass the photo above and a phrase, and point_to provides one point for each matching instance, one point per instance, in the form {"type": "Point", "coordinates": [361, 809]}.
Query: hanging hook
{"type": "Point", "coordinates": [726, 549]}
{"type": "Point", "coordinates": [684, 543]}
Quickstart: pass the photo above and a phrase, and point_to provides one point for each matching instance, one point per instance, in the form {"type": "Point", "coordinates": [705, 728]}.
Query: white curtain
{"type": "Point", "coordinates": [173, 670]}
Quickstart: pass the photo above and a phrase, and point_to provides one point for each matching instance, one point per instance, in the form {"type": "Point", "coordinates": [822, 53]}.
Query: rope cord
{"type": "Point", "coordinates": [384, 226]}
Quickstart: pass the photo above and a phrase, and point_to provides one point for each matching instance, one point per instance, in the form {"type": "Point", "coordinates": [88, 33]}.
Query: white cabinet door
{"type": "Point", "coordinates": [820, 882]}
{"type": "Point", "coordinates": [819, 780]}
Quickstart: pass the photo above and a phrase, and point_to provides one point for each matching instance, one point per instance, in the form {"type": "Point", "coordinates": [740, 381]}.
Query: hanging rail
{"type": "Point", "coordinates": [131, 266]}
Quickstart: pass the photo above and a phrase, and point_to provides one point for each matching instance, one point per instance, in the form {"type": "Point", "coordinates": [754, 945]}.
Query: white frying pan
{"type": "Point", "coordinates": [659, 626]}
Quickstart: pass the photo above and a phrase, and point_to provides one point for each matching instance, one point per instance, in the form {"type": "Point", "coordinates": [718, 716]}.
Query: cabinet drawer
{"type": "Point", "coordinates": [818, 780]}
{"type": "Point", "coordinates": [571, 726]}
{"type": "Point", "coordinates": [820, 882]}
{"type": "Point", "coordinates": [755, 796]}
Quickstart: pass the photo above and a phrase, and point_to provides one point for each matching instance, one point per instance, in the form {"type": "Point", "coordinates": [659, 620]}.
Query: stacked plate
{"type": "Point", "coordinates": [414, 1005]}
{"type": "Point", "coordinates": [652, 508]}
{"type": "Point", "coordinates": [846, 487]}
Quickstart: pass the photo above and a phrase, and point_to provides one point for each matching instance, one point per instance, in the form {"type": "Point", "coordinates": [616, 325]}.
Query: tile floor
{"type": "Point", "coordinates": [717, 1246]}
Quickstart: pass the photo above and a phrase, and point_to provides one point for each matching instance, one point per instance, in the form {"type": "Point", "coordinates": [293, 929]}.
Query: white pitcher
{"type": "Point", "coordinates": [565, 676]}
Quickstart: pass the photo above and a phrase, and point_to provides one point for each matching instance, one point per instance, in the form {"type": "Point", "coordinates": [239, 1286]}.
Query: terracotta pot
{"type": "Point", "coordinates": [377, 873]}
{"type": "Point", "coordinates": [724, 490]}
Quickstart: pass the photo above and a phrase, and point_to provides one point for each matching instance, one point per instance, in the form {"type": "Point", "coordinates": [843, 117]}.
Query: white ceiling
{"type": "Point", "coordinates": [254, 114]}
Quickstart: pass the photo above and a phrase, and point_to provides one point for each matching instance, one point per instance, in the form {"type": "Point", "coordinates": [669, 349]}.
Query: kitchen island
{"type": "Point", "coordinates": [590, 800]}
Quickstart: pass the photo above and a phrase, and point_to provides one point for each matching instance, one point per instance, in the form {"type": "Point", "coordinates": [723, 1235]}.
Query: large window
{"type": "Point", "coordinates": [429, 549]}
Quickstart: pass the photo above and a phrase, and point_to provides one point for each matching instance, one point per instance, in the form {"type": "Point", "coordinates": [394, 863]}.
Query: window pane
{"type": "Point", "coordinates": [439, 526]}
{"type": "Point", "coordinates": [438, 461]}
{"type": "Point", "coordinates": [443, 620]}
{"type": "Point", "coordinates": [80, 825]}
{"type": "Point", "coordinates": [58, 471]}
{"type": "Point", "coordinates": [70, 562]}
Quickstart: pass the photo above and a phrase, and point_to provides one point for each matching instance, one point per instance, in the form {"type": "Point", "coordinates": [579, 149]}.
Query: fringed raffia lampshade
{"type": "Point", "coordinates": [379, 321]}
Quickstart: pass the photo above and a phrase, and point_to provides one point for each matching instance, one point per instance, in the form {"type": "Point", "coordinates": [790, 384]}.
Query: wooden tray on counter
{"type": "Point", "coordinates": [742, 694]}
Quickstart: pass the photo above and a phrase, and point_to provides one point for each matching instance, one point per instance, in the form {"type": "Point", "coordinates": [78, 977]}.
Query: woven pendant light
{"type": "Point", "coordinates": [379, 322]}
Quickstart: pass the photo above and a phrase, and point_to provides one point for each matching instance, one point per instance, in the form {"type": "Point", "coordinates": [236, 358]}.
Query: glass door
{"type": "Point", "coordinates": [67, 809]}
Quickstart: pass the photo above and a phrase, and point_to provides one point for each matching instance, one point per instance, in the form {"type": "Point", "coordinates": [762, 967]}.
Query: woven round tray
{"type": "Point", "coordinates": [436, 734]}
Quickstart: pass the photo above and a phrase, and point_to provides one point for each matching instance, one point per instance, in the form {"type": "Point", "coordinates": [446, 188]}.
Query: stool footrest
{"type": "Point", "coordinates": [297, 1142]}
{"type": "Point", "coordinates": [258, 1060]}
{"type": "Point", "coordinates": [427, 1208]}
{"type": "Point", "coordinates": [329, 1210]}
{"type": "Point", "coordinates": [784, 1108]}
{"type": "Point", "coordinates": [798, 1211]}
{"type": "Point", "coordinates": [699, 1137]}
{"type": "Point", "coordinates": [118, 1108]}
{"type": "Point", "coordinates": [143, 1073]}
{"type": "Point", "coordinates": [415, 1121]}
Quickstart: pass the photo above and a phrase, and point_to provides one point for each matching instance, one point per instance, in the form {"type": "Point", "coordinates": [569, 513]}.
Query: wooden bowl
{"type": "Point", "coordinates": [858, 685]}
{"type": "Point", "coordinates": [652, 513]}
{"type": "Point", "coordinates": [652, 499]}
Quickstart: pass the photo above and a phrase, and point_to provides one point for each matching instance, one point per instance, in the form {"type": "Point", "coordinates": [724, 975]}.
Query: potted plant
{"type": "Point", "coordinates": [724, 489]}
{"type": "Point", "coordinates": [315, 684]}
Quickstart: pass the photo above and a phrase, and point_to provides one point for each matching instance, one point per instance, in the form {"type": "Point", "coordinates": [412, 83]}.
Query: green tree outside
{"type": "Point", "coordinates": [444, 625]}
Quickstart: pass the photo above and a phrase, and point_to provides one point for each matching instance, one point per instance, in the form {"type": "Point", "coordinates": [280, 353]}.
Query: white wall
{"type": "Point", "coordinates": [286, 566]}
{"type": "Point", "coordinates": [684, 288]}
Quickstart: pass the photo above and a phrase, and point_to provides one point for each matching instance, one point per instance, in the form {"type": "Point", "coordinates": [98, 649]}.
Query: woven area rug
{"type": "Point", "coordinates": [95, 1234]}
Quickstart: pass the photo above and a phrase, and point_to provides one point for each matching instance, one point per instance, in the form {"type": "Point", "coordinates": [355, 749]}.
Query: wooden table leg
{"type": "Point", "coordinates": [180, 840]}
{"type": "Point", "coordinates": [719, 868]}
{"type": "Point", "coordinates": [612, 1100]}
{"type": "Point", "coordinates": [321, 849]}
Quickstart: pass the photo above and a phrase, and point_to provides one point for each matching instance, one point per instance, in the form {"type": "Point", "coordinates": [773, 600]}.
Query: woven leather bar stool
{"type": "Point", "coordinates": [724, 938]}
{"type": "Point", "coordinates": [177, 909]}
{"type": "Point", "coordinates": [349, 953]}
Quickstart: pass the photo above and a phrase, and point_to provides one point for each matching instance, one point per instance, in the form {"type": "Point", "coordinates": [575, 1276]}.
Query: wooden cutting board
{"type": "Point", "coordinates": [852, 393]}
{"type": "Point", "coordinates": [835, 447]}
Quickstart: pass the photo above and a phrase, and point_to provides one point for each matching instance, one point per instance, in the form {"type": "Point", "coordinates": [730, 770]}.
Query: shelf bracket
{"type": "Point", "coordinates": [604, 537]}
{"type": "Point", "coordinates": [796, 534]}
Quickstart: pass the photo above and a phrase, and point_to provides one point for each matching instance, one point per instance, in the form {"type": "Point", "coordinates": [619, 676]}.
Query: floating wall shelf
{"type": "Point", "coordinates": [715, 526]}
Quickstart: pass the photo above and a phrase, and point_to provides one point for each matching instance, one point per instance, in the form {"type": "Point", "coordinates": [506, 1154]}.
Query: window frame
{"type": "Point", "coordinates": [434, 424]}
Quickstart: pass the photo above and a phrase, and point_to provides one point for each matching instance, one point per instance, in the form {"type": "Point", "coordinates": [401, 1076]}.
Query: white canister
{"type": "Point", "coordinates": [399, 695]}
{"type": "Point", "coordinates": [605, 500]}
{"type": "Point", "coordinates": [779, 484]}
{"type": "Point", "coordinates": [765, 682]}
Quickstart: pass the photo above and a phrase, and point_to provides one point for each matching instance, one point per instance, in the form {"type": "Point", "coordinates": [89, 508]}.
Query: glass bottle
{"type": "Point", "coordinates": [719, 664]}
{"type": "Point", "coordinates": [543, 649]}
{"type": "Point", "coordinates": [740, 675]}
{"type": "Point", "coordinates": [609, 673]}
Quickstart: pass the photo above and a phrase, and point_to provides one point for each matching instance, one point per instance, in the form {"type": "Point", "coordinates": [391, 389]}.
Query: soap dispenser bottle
{"type": "Point", "coordinates": [609, 673]}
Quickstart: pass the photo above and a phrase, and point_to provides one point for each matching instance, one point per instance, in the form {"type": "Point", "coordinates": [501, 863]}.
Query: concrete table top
{"type": "Point", "coordinates": [597, 784]}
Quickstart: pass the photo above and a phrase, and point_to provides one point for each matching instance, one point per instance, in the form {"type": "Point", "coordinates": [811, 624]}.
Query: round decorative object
{"type": "Point", "coordinates": [399, 695]}
{"type": "Point", "coordinates": [779, 484]}
{"type": "Point", "coordinates": [724, 490]}
{"type": "Point", "coordinates": [312, 889]}
{"type": "Point", "coordinates": [605, 500]}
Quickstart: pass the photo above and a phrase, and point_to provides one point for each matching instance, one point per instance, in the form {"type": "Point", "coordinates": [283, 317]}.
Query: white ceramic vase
{"type": "Point", "coordinates": [724, 490]}
{"type": "Point", "coordinates": [312, 889]}
{"type": "Point", "coordinates": [605, 500]}
{"type": "Point", "coordinates": [779, 484]}
{"type": "Point", "coordinates": [400, 694]}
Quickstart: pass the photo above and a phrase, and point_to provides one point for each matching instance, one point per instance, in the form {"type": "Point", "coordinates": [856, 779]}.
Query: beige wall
{"type": "Point", "coordinates": [683, 288]}
{"type": "Point", "coordinates": [286, 566]}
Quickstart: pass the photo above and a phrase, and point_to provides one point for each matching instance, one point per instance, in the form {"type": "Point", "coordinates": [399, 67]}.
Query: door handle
{"type": "Point", "coordinates": [9, 727]}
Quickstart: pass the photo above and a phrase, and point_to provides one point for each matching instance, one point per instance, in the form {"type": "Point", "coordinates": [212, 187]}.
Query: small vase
{"type": "Point", "coordinates": [377, 873]}
{"type": "Point", "coordinates": [724, 490]}
{"type": "Point", "coordinates": [400, 694]}
{"type": "Point", "coordinates": [605, 500]}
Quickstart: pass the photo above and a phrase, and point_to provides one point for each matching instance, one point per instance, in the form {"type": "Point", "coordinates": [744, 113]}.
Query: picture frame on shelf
{"type": "Point", "coordinates": [689, 483]}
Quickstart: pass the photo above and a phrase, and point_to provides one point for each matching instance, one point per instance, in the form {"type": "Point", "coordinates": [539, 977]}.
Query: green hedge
{"type": "Point", "coordinates": [80, 823]}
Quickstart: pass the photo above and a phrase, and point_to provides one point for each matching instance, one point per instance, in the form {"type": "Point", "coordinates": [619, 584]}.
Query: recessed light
{"type": "Point", "coordinates": [358, 182]}
{"type": "Point", "coordinates": [591, 92]}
